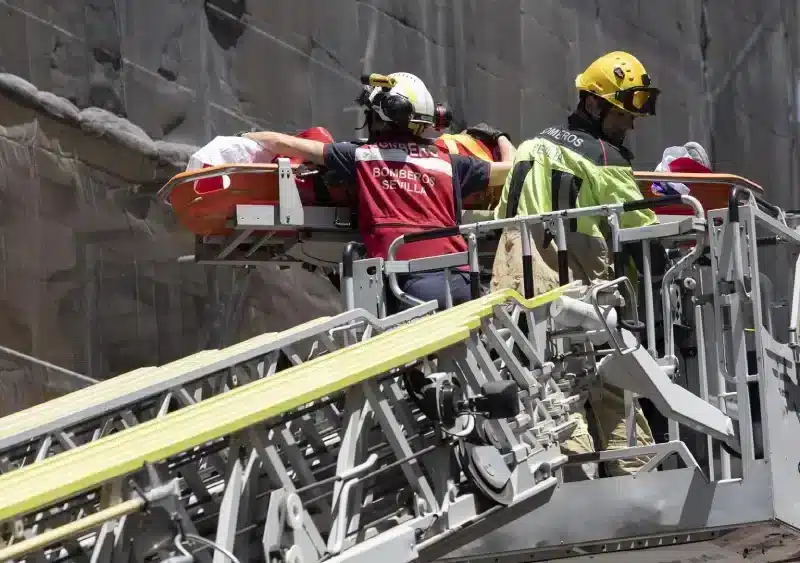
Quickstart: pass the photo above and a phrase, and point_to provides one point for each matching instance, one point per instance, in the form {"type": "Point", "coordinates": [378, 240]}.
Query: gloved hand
{"type": "Point", "coordinates": [486, 133]}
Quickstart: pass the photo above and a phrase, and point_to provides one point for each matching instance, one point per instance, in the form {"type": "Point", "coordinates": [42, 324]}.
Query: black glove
{"type": "Point", "coordinates": [486, 133]}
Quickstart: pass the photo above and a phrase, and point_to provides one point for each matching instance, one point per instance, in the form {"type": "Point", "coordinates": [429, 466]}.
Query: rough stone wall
{"type": "Point", "coordinates": [88, 274]}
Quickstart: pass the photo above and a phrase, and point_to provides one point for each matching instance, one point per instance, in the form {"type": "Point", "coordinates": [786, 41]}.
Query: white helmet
{"type": "Point", "coordinates": [407, 102]}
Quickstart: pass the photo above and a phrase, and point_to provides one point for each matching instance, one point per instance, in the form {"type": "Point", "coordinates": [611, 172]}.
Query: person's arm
{"type": "Point", "coordinates": [472, 175]}
{"type": "Point", "coordinates": [618, 185]}
{"type": "Point", "coordinates": [506, 148]}
{"type": "Point", "coordinates": [338, 158]}
{"type": "Point", "coordinates": [498, 172]}
{"type": "Point", "coordinates": [290, 146]}
{"type": "Point", "coordinates": [490, 135]}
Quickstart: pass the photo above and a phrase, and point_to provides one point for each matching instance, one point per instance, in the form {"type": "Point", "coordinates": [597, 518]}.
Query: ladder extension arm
{"type": "Point", "coordinates": [90, 413]}
{"type": "Point", "coordinates": [199, 444]}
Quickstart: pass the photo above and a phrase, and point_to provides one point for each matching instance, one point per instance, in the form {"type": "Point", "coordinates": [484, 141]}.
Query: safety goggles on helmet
{"type": "Point", "coordinates": [638, 100]}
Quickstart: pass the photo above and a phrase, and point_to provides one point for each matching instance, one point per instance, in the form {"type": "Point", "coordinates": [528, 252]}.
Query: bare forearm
{"type": "Point", "coordinates": [498, 171]}
{"type": "Point", "coordinates": [507, 149]}
{"type": "Point", "coordinates": [288, 145]}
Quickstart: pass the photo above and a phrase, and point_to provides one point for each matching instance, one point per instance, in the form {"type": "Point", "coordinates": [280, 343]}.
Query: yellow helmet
{"type": "Point", "coordinates": [619, 78]}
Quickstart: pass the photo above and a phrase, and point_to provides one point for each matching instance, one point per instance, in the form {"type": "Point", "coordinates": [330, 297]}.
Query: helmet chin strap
{"type": "Point", "coordinates": [365, 124]}
{"type": "Point", "coordinates": [373, 125]}
{"type": "Point", "coordinates": [597, 122]}
{"type": "Point", "coordinates": [376, 126]}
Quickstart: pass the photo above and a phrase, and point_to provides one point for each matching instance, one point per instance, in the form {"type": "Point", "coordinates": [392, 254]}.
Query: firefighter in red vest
{"type": "Point", "coordinates": [404, 182]}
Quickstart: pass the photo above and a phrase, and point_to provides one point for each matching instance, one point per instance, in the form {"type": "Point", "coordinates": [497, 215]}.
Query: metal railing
{"type": "Point", "coordinates": [553, 219]}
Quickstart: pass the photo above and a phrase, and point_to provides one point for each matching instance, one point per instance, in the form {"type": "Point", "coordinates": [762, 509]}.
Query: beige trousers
{"type": "Point", "coordinates": [588, 260]}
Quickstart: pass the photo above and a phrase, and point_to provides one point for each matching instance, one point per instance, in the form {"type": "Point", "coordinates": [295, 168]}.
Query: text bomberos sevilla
{"type": "Point", "coordinates": [409, 179]}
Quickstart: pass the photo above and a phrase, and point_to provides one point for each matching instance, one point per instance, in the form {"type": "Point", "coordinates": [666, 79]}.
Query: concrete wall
{"type": "Point", "coordinates": [88, 275]}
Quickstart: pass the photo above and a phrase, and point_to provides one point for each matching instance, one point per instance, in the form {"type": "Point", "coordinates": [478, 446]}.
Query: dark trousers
{"type": "Point", "coordinates": [430, 286]}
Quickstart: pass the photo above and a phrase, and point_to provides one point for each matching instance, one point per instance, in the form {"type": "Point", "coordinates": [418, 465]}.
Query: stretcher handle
{"type": "Point", "coordinates": [739, 194]}
{"type": "Point", "coordinates": [652, 203]}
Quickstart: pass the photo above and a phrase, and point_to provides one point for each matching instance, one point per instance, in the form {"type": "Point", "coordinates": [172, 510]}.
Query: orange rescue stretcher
{"type": "Point", "coordinates": [205, 201]}
{"type": "Point", "coordinates": [711, 189]}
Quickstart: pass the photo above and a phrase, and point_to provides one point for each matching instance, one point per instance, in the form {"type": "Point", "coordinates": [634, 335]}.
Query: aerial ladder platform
{"type": "Point", "coordinates": [435, 436]}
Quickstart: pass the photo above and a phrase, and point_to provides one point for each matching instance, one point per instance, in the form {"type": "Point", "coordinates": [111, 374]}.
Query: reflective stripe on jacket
{"type": "Point", "coordinates": [566, 167]}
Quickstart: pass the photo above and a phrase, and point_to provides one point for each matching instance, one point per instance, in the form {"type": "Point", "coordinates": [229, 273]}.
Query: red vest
{"type": "Point", "coordinates": [405, 186]}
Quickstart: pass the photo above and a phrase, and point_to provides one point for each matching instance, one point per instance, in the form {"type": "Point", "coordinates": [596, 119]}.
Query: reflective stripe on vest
{"type": "Point", "coordinates": [452, 146]}
{"type": "Point", "coordinates": [479, 150]}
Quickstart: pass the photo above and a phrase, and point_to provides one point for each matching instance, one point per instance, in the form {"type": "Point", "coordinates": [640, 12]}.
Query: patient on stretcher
{"type": "Point", "coordinates": [205, 205]}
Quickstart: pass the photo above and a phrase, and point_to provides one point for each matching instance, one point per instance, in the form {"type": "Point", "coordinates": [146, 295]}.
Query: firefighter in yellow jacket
{"type": "Point", "coordinates": [580, 164]}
